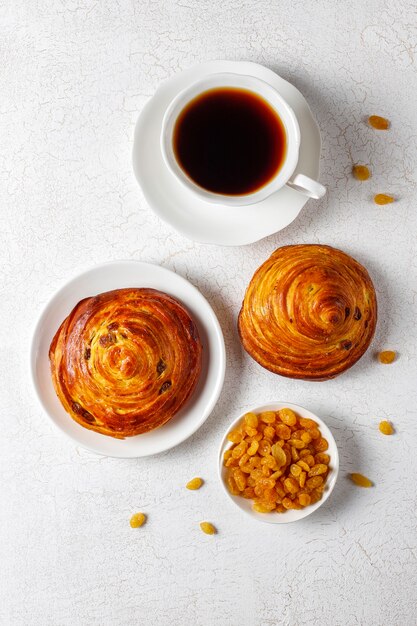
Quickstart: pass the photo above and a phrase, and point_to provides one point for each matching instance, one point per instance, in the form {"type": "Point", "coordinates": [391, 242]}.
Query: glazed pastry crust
{"type": "Point", "coordinates": [124, 362]}
{"type": "Point", "coordinates": [309, 312]}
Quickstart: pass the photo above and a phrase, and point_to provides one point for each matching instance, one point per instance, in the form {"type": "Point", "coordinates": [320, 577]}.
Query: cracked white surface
{"type": "Point", "coordinates": [74, 77]}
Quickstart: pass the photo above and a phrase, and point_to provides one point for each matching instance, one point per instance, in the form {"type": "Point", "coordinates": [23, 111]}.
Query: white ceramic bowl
{"type": "Point", "coordinates": [116, 275]}
{"type": "Point", "coordinates": [291, 515]}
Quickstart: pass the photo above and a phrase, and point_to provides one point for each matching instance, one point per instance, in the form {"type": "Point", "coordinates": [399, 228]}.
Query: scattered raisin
{"type": "Point", "coordinates": [137, 520]}
{"type": "Point", "coordinates": [113, 326]}
{"type": "Point", "coordinates": [194, 483]}
{"type": "Point", "coordinates": [357, 314]}
{"type": "Point", "coordinates": [378, 122]}
{"type": "Point", "coordinates": [346, 344]}
{"type": "Point", "coordinates": [87, 353]}
{"type": "Point", "coordinates": [383, 198]}
{"type": "Point", "coordinates": [361, 172]}
{"type": "Point", "coordinates": [360, 480]}
{"type": "Point", "coordinates": [208, 528]}
{"type": "Point", "coordinates": [386, 427]}
{"type": "Point", "coordinates": [387, 356]}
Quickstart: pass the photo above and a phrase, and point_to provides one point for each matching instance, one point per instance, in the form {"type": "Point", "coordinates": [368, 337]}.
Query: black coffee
{"type": "Point", "coordinates": [229, 141]}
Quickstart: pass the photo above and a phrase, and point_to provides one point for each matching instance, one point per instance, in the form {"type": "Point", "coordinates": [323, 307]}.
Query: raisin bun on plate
{"type": "Point", "coordinates": [124, 362]}
{"type": "Point", "coordinates": [309, 312]}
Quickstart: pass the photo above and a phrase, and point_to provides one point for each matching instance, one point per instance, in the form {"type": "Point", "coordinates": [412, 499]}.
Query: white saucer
{"type": "Point", "coordinates": [207, 222]}
{"type": "Point", "coordinates": [117, 275]}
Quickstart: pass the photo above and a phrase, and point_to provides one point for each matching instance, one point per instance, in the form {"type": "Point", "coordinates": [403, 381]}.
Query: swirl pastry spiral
{"type": "Point", "coordinates": [309, 312]}
{"type": "Point", "coordinates": [125, 361]}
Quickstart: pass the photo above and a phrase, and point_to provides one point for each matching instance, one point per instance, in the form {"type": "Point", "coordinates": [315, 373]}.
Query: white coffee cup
{"type": "Point", "coordinates": [284, 175]}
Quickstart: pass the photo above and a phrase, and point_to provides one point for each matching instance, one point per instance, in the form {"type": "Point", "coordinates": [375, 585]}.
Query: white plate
{"type": "Point", "coordinates": [117, 275]}
{"type": "Point", "coordinates": [208, 222]}
{"type": "Point", "coordinates": [292, 515]}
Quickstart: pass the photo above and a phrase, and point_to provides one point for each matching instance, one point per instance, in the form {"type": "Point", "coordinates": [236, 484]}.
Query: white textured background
{"type": "Point", "coordinates": [74, 76]}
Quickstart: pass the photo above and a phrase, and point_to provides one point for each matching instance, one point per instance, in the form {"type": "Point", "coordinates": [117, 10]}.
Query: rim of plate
{"type": "Point", "coordinates": [210, 382]}
{"type": "Point", "coordinates": [292, 515]}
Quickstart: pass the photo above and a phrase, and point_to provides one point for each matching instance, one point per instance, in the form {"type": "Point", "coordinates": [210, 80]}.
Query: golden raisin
{"type": "Point", "coordinates": [253, 448]}
{"type": "Point", "coordinates": [279, 455]}
{"type": "Point", "coordinates": [322, 457]}
{"type": "Point", "coordinates": [306, 437]}
{"type": "Point", "coordinates": [291, 485]}
{"type": "Point", "coordinates": [314, 482]}
{"type": "Point", "coordinates": [249, 493]}
{"type": "Point", "coordinates": [304, 499]}
{"type": "Point", "coordinates": [383, 198]}
{"type": "Point", "coordinates": [288, 417]}
{"type": "Point", "coordinates": [308, 423]}
{"type": "Point", "coordinates": [235, 436]}
{"type": "Point", "coordinates": [290, 504]}
{"type": "Point", "coordinates": [295, 470]}
{"type": "Point", "coordinates": [321, 444]}
{"type": "Point", "coordinates": [194, 483]}
{"type": "Point", "coordinates": [251, 432]}
{"type": "Point", "coordinates": [251, 420]}
{"type": "Point", "coordinates": [360, 480]}
{"type": "Point", "coordinates": [309, 459]}
{"type": "Point", "coordinates": [378, 122]}
{"type": "Point", "coordinates": [266, 471]}
{"type": "Point", "coordinates": [269, 461]}
{"type": "Point", "coordinates": [137, 520]}
{"type": "Point", "coordinates": [269, 432]}
{"type": "Point", "coordinates": [361, 172]}
{"type": "Point", "coordinates": [232, 486]}
{"type": "Point", "coordinates": [386, 428]}
{"type": "Point", "coordinates": [294, 454]}
{"type": "Point", "coordinates": [263, 507]}
{"type": "Point", "coordinates": [243, 459]}
{"type": "Point", "coordinates": [387, 356]}
{"type": "Point", "coordinates": [239, 449]}
{"type": "Point", "coordinates": [318, 469]}
{"type": "Point", "coordinates": [315, 496]}
{"type": "Point", "coordinates": [283, 431]}
{"type": "Point", "coordinates": [303, 464]}
{"type": "Point", "coordinates": [268, 417]}
{"type": "Point", "coordinates": [302, 479]}
{"type": "Point", "coordinates": [208, 528]}
{"type": "Point", "coordinates": [227, 454]}
{"type": "Point", "coordinates": [240, 479]}
{"type": "Point", "coordinates": [297, 443]}
{"type": "Point", "coordinates": [264, 447]}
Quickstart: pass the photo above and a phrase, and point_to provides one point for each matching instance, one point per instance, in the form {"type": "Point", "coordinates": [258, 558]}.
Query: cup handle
{"type": "Point", "coordinates": [307, 186]}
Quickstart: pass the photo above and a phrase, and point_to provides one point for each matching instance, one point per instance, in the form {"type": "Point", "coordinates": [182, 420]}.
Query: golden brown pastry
{"type": "Point", "coordinates": [309, 312]}
{"type": "Point", "coordinates": [125, 361]}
